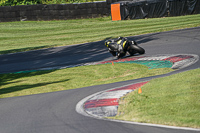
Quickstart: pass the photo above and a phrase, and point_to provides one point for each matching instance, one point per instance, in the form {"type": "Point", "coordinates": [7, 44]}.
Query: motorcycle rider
{"type": "Point", "coordinates": [118, 47]}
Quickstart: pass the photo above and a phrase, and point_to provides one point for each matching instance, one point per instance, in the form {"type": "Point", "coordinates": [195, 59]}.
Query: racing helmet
{"type": "Point", "coordinates": [107, 42]}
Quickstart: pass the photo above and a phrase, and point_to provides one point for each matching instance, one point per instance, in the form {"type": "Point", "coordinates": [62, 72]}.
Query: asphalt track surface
{"type": "Point", "coordinates": [55, 112]}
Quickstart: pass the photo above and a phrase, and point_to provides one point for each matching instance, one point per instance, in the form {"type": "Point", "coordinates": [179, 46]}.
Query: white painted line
{"type": "Point", "coordinates": [155, 125]}
{"type": "Point", "coordinates": [105, 111]}
{"type": "Point", "coordinates": [158, 57]}
{"type": "Point", "coordinates": [185, 63]}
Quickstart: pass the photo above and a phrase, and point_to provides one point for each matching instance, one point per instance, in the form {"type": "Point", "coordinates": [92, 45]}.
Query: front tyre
{"type": "Point", "coordinates": [136, 49]}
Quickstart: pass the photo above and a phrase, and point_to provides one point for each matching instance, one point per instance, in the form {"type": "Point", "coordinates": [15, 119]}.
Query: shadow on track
{"type": "Point", "coordinates": [6, 79]}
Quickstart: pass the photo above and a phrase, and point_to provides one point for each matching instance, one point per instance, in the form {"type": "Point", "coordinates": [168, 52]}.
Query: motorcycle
{"type": "Point", "coordinates": [120, 46]}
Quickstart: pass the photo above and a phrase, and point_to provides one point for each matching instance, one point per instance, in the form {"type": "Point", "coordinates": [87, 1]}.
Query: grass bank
{"type": "Point", "coordinates": [31, 35]}
{"type": "Point", "coordinates": [12, 85]}
{"type": "Point", "coordinates": [173, 100]}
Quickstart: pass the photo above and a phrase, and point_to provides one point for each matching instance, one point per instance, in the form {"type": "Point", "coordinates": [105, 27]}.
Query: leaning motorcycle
{"type": "Point", "coordinates": [120, 46]}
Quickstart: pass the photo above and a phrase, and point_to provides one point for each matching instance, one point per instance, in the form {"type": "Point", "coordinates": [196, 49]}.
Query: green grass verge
{"type": "Point", "coordinates": [32, 35]}
{"type": "Point", "coordinates": [173, 100]}
{"type": "Point", "coordinates": [57, 80]}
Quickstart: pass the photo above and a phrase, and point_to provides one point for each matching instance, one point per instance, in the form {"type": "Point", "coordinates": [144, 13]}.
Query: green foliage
{"type": "Point", "coordinates": [19, 2]}
{"type": "Point", "coordinates": [32, 2]}
{"type": "Point", "coordinates": [65, 1]}
{"type": "Point", "coordinates": [54, 1]}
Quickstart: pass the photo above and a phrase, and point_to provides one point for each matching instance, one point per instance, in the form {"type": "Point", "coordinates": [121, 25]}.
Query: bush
{"type": "Point", "coordinates": [32, 2]}
{"type": "Point", "coordinates": [65, 1]}
{"type": "Point", "coordinates": [19, 2]}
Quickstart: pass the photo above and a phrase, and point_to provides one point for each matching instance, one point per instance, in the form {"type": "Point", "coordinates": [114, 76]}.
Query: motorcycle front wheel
{"type": "Point", "coordinates": [136, 49]}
